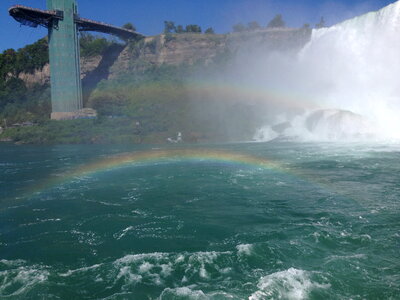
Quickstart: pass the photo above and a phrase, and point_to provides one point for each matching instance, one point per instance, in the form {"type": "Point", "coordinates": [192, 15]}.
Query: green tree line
{"type": "Point", "coordinates": [276, 22]}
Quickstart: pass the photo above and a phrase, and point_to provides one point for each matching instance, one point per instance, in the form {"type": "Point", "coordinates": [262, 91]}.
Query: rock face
{"type": "Point", "coordinates": [168, 49]}
{"type": "Point", "coordinates": [175, 49]}
{"type": "Point", "coordinates": [42, 76]}
{"type": "Point", "coordinates": [89, 64]}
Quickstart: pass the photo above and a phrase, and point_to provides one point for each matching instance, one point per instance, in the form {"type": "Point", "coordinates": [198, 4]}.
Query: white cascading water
{"type": "Point", "coordinates": [352, 69]}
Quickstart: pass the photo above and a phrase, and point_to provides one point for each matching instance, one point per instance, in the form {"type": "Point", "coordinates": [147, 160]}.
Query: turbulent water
{"type": "Point", "coordinates": [324, 222]}
{"type": "Point", "coordinates": [278, 220]}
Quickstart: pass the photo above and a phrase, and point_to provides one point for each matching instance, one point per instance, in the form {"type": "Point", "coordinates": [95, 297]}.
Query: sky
{"type": "Point", "coordinates": [149, 15]}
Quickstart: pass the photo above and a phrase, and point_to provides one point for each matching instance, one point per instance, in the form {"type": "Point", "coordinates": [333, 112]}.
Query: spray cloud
{"type": "Point", "coordinates": [342, 85]}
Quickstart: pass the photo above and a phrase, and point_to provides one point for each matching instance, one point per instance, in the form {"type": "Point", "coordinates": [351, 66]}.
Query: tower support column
{"type": "Point", "coordinates": [66, 86]}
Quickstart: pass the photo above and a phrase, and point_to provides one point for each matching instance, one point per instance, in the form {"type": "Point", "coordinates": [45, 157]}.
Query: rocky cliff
{"type": "Point", "coordinates": [175, 49]}
{"type": "Point", "coordinates": [43, 76]}
{"type": "Point", "coordinates": [189, 48]}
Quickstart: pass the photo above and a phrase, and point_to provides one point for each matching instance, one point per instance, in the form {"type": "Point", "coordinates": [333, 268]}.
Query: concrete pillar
{"type": "Point", "coordinates": [66, 86]}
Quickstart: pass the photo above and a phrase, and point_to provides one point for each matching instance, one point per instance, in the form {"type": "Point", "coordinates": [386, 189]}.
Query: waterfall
{"type": "Point", "coordinates": [354, 67]}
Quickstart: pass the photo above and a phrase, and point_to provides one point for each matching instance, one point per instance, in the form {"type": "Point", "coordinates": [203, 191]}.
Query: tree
{"type": "Point", "coordinates": [91, 45]}
{"type": "Point", "coordinates": [8, 60]}
{"type": "Point", "coordinates": [239, 27]}
{"type": "Point", "coordinates": [179, 29]}
{"type": "Point", "coordinates": [129, 26]}
{"type": "Point", "coordinates": [253, 26]}
{"type": "Point", "coordinates": [16, 89]}
{"type": "Point", "coordinates": [276, 22]}
{"type": "Point", "coordinates": [26, 59]}
{"type": "Point", "coordinates": [321, 23]}
{"type": "Point", "coordinates": [169, 27]}
{"type": "Point", "coordinates": [32, 57]}
{"type": "Point", "coordinates": [193, 28]}
{"type": "Point", "coordinates": [306, 26]}
{"type": "Point", "coordinates": [209, 31]}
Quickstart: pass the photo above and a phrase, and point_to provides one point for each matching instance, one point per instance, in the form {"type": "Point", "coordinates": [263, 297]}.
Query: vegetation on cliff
{"type": "Point", "coordinates": [92, 45]}
{"type": "Point", "coordinates": [17, 102]}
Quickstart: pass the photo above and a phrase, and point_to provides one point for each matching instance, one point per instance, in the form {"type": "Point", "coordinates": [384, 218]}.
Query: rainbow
{"type": "Point", "coordinates": [251, 93]}
{"type": "Point", "coordinates": [157, 156]}
{"type": "Point", "coordinates": [226, 91]}
{"type": "Point", "coordinates": [144, 158]}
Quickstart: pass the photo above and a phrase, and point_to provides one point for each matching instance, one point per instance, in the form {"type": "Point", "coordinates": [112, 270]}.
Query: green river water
{"type": "Point", "coordinates": [325, 224]}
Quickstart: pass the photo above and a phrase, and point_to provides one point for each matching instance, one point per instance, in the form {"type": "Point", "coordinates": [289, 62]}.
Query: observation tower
{"type": "Point", "coordinates": [63, 23]}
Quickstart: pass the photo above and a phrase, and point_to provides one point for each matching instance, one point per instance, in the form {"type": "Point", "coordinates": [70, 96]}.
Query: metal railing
{"type": "Point", "coordinates": [34, 17]}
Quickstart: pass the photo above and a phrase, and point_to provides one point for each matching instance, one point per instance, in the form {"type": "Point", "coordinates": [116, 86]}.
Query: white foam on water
{"type": "Point", "coordinates": [80, 270]}
{"type": "Point", "coordinates": [334, 258]}
{"type": "Point", "coordinates": [89, 237]}
{"type": "Point", "coordinates": [292, 284]}
{"type": "Point", "coordinates": [325, 125]}
{"type": "Point", "coordinates": [245, 249]}
{"type": "Point", "coordinates": [265, 134]}
{"type": "Point", "coordinates": [145, 267]}
{"type": "Point", "coordinates": [123, 232]}
{"type": "Point", "coordinates": [332, 125]}
{"type": "Point", "coordinates": [202, 259]}
{"type": "Point", "coordinates": [182, 293]}
{"type": "Point", "coordinates": [156, 268]}
{"type": "Point", "coordinates": [130, 278]}
{"type": "Point", "coordinates": [39, 221]}
{"type": "Point", "coordinates": [142, 267]}
{"type": "Point", "coordinates": [103, 202]}
{"type": "Point", "coordinates": [134, 258]}
{"type": "Point", "coordinates": [10, 263]}
{"type": "Point", "coordinates": [166, 269]}
{"type": "Point", "coordinates": [139, 212]}
{"type": "Point", "coordinates": [18, 281]}
{"type": "Point", "coordinates": [193, 293]}
{"type": "Point", "coordinates": [16, 206]}
{"type": "Point", "coordinates": [7, 164]}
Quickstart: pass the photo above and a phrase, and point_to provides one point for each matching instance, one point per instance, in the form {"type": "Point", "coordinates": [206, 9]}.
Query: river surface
{"type": "Point", "coordinates": [230, 221]}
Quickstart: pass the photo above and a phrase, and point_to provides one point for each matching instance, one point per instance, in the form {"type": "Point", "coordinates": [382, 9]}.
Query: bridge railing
{"type": "Point", "coordinates": [91, 25]}
{"type": "Point", "coordinates": [33, 17]}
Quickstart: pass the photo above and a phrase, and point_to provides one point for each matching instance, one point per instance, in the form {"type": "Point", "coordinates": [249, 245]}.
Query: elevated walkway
{"type": "Point", "coordinates": [48, 18]}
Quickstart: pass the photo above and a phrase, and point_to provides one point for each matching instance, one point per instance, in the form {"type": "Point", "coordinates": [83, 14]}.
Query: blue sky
{"type": "Point", "coordinates": [149, 15]}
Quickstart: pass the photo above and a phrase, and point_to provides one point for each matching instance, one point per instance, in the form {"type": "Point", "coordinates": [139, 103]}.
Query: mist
{"type": "Point", "coordinates": [341, 85]}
